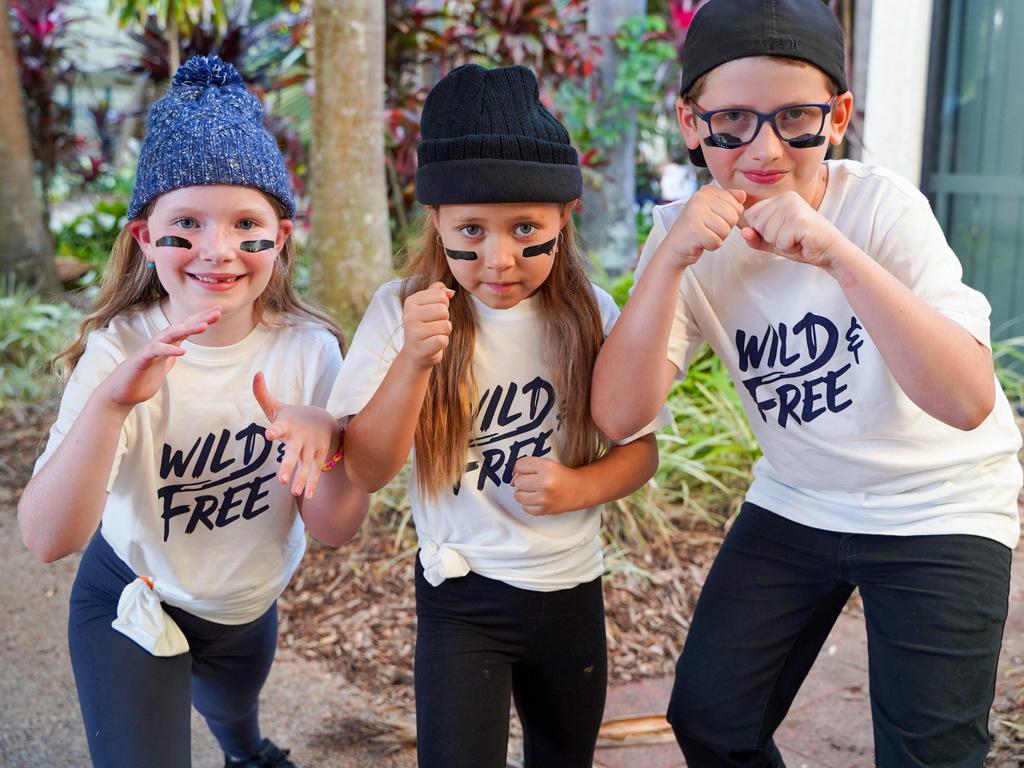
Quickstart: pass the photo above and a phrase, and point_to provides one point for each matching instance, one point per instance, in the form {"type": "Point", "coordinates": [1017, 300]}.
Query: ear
{"type": "Point", "coordinates": [284, 230]}
{"type": "Point", "coordinates": [841, 115]}
{"type": "Point", "coordinates": [688, 124]}
{"type": "Point", "coordinates": [139, 230]}
{"type": "Point", "coordinates": [435, 218]}
{"type": "Point", "coordinates": [567, 210]}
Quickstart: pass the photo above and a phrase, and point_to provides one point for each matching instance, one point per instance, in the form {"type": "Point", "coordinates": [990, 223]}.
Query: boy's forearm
{"type": "Point", "coordinates": [378, 438]}
{"type": "Point", "coordinates": [921, 347]}
{"type": "Point", "coordinates": [632, 374]}
{"type": "Point", "coordinates": [61, 507]}
{"type": "Point", "coordinates": [618, 473]}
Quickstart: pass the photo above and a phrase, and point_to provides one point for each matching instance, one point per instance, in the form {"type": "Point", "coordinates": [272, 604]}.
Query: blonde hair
{"type": "Point", "coordinates": [573, 327]}
{"type": "Point", "coordinates": [128, 284]}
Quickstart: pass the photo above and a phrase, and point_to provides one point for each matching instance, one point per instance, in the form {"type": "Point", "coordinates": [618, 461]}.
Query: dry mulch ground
{"type": "Point", "coordinates": [354, 607]}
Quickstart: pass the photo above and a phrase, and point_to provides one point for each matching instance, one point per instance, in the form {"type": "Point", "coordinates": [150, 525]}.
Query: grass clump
{"type": "Point", "coordinates": [32, 332]}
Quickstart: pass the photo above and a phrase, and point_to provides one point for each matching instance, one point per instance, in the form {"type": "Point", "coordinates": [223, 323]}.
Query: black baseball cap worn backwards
{"type": "Point", "coordinates": [486, 138]}
{"type": "Point", "coordinates": [724, 30]}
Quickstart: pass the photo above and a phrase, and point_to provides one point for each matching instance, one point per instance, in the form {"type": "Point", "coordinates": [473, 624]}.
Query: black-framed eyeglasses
{"type": "Point", "coordinates": [799, 125]}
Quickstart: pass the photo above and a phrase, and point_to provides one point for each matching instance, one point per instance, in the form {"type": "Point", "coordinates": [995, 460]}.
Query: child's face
{"type": "Point", "coordinates": [213, 246]}
{"type": "Point", "coordinates": [767, 166]}
{"type": "Point", "coordinates": [498, 248]}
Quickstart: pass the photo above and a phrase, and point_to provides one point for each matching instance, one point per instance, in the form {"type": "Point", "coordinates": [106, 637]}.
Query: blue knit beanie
{"type": "Point", "coordinates": [208, 129]}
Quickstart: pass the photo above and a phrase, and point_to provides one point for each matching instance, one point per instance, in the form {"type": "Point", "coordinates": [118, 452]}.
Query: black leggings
{"type": "Point", "coordinates": [137, 707]}
{"type": "Point", "coordinates": [934, 608]}
{"type": "Point", "coordinates": [480, 642]}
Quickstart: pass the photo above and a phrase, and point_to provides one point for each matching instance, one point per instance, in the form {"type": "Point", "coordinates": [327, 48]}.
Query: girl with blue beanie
{"type": "Point", "coordinates": [192, 510]}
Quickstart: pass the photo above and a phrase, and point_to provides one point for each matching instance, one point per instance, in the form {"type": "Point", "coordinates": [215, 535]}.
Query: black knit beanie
{"type": "Point", "coordinates": [486, 138]}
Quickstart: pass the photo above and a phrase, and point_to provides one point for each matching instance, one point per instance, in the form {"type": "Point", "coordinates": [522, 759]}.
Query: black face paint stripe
{"type": "Point", "coordinates": [537, 250]}
{"type": "Point", "coordinates": [461, 255]}
{"type": "Point", "coordinates": [255, 246]}
{"type": "Point", "coordinates": [172, 241]}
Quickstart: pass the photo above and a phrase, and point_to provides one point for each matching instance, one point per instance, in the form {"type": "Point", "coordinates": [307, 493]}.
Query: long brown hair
{"type": "Point", "coordinates": [573, 327]}
{"type": "Point", "coordinates": [129, 285]}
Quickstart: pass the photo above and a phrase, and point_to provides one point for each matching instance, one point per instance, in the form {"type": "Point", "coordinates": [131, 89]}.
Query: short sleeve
{"type": "Point", "coordinates": [685, 337]}
{"type": "Point", "coordinates": [376, 343]}
{"type": "Point", "coordinates": [915, 251]}
{"type": "Point", "coordinates": [101, 356]}
{"type": "Point", "coordinates": [608, 308]}
{"type": "Point", "coordinates": [328, 368]}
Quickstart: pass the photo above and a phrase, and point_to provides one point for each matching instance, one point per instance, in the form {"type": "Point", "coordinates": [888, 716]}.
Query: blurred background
{"type": "Point", "coordinates": [933, 81]}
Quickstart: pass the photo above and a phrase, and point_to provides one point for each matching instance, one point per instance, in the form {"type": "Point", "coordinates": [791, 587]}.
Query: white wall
{"type": "Point", "coordinates": [896, 88]}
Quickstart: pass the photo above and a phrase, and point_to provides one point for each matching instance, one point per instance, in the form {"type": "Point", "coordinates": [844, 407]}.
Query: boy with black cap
{"type": "Point", "coordinates": [828, 290]}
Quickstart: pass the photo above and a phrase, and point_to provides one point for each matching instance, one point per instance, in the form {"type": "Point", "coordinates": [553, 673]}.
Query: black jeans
{"type": "Point", "coordinates": [480, 642]}
{"type": "Point", "coordinates": [137, 707]}
{"type": "Point", "coordinates": [934, 606]}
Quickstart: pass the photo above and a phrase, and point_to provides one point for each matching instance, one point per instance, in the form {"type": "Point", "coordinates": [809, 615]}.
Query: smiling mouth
{"type": "Point", "coordinates": [764, 174]}
{"type": "Point", "coordinates": [216, 279]}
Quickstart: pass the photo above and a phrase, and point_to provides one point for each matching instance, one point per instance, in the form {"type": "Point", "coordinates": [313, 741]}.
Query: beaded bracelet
{"type": "Point", "coordinates": [335, 460]}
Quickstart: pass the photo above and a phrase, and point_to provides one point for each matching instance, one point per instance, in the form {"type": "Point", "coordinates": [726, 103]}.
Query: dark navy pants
{"type": "Point", "coordinates": [935, 607]}
{"type": "Point", "coordinates": [137, 707]}
{"type": "Point", "coordinates": [480, 643]}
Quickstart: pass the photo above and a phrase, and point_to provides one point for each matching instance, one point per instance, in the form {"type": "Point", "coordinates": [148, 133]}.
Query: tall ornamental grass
{"type": "Point", "coordinates": [32, 332]}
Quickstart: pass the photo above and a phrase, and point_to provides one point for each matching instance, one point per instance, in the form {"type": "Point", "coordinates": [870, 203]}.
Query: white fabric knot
{"type": "Point", "coordinates": [141, 617]}
{"type": "Point", "coordinates": [441, 562]}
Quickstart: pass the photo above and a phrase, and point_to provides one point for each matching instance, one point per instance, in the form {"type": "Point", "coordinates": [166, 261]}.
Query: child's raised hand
{"type": "Point", "coordinates": [707, 219]}
{"type": "Point", "coordinates": [788, 226]}
{"type": "Point", "coordinates": [544, 487]}
{"type": "Point", "coordinates": [426, 326]}
{"type": "Point", "coordinates": [308, 434]}
{"type": "Point", "coordinates": [142, 374]}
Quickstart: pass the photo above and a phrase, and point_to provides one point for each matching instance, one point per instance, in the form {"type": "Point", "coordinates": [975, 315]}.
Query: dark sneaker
{"type": "Point", "coordinates": [269, 755]}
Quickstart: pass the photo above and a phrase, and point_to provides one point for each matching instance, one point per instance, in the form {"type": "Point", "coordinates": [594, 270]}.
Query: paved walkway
{"type": "Point", "coordinates": [40, 723]}
{"type": "Point", "coordinates": [829, 724]}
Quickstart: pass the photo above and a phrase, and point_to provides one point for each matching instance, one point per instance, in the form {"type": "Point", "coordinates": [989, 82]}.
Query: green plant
{"type": "Point", "coordinates": [89, 237]}
{"type": "Point", "coordinates": [32, 332]}
{"type": "Point", "coordinates": [175, 19]}
{"type": "Point", "coordinates": [46, 68]}
{"type": "Point", "coordinates": [706, 453]}
{"type": "Point", "coordinates": [646, 52]}
{"type": "Point", "coordinates": [1008, 355]}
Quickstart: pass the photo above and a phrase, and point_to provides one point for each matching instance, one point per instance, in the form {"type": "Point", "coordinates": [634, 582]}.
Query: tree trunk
{"type": "Point", "coordinates": [351, 242]}
{"type": "Point", "coordinates": [27, 251]}
{"type": "Point", "coordinates": [173, 47]}
{"type": "Point", "coordinates": [607, 222]}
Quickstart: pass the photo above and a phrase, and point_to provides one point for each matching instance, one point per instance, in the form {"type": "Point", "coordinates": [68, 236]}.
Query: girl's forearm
{"type": "Point", "coordinates": [378, 438]}
{"type": "Point", "coordinates": [61, 507]}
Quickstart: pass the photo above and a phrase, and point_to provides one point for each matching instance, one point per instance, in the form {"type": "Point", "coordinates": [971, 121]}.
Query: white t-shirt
{"type": "Point", "coordinates": [844, 448]}
{"type": "Point", "coordinates": [193, 498]}
{"type": "Point", "coordinates": [479, 525]}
